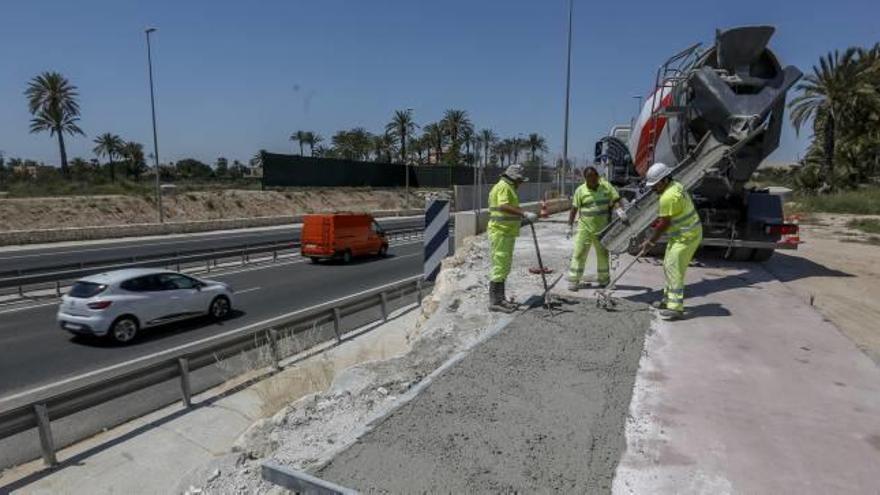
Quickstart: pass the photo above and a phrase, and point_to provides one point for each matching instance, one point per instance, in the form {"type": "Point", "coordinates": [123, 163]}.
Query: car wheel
{"type": "Point", "coordinates": [124, 330]}
{"type": "Point", "coordinates": [383, 251]}
{"type": "Point", "coordinates": [346, 257]}
{"type": "Point", "coordinates": [220, 308]}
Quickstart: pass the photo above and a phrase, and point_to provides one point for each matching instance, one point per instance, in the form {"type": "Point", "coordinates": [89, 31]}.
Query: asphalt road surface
{"type": "Point", "coordinates": [35, 351]}
{"type": "Point", "coordinates": [29, 259]}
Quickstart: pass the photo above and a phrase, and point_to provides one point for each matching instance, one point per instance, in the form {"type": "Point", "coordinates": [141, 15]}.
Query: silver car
{"type": "Point", "coordinates": [120, 303]}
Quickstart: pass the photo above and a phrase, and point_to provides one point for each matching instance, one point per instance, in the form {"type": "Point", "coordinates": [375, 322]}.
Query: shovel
{"type": "Point", "coordinates": [544, 271]}
{"type": "Point", "coordinates": [603, 296]}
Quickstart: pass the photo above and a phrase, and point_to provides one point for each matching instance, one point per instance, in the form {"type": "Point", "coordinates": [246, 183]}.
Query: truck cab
{"type": "Point", "coordinates": [342, 236]}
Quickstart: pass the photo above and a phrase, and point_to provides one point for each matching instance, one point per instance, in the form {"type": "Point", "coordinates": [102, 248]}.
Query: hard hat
{"type": "Point", "coordinates": [656, 173]}
{"type": "Point", "coordinates": [516, 172]}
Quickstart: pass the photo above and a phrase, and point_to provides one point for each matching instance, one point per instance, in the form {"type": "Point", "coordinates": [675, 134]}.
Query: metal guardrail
{"type": "Point", "coordinates": [37, 409]}
{"type": "Point", "coordinates": [66, 272]}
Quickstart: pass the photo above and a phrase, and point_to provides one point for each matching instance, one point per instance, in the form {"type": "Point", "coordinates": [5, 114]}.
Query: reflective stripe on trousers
{"type": "Point", "coordinates": [679, 252]}
{"type": "Point", "coordinates": [582, 243]}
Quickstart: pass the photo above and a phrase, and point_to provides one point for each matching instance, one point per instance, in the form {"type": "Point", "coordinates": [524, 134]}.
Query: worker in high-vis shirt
{"type": "Point", "coordinates": [505, 217]}
{"type": "Point", "coordinates": [593, 202]}
{"type": "Point", "coordinates": [679, 220]}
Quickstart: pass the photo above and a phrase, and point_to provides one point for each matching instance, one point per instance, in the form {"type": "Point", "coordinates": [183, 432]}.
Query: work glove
{"type": "Point", "coordinates": [530, 217]}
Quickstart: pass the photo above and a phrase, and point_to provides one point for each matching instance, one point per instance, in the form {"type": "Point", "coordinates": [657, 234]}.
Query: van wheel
{"type": "Point", "coordinates": [124, 330]}
{"type": "Point", "coordinates": [315, 259]}
{"type": "Point", "coordinates": [346, 257]}
{"type": "Point", "coordinates": [383, 251]}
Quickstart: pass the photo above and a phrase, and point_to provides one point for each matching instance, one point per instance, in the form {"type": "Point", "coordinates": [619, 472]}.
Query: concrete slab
{"type": "Point", "coordinates": [755, 392]}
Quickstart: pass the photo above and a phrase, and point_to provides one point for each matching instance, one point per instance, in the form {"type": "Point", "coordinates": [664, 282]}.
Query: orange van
{"type": "Point", "coordinates": [342, 236]}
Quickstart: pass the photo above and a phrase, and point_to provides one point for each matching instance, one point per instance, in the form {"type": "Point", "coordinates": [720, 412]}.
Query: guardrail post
{"type": "Point", "coordinates": [208, 266]}
{"type": "Point", "coordinates": [273, 348]}
{"type": "Point", "coordinates": [58, 288]}
{"type": "Point", "coordinates": [274, 255]}
{"type": "Point", "coordinates": [47, 443]}
{"type": "Point", "coordinates": [243, 262]}
{"type": "Point", "coordinates": [384, 300]}
{"type": "Point", "coordinates": [419, 292]}
{"type": "Point", "coordinates": [185, 390]}
{"type": "Point", "coordinates": [337, 323]}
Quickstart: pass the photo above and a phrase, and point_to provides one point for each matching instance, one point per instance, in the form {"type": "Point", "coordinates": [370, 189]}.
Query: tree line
{"type": "Point", "coordinates": [840, 102]}
{"type": "Point", "coordinates": [453, 140]}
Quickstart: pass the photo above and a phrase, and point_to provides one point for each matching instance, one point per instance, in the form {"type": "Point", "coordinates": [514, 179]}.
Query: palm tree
{"type": "Point", "coordinates": [467, 137]}
{"type": "Point", "coordinates": [301, 138]}
{"type": "Point", "coordinates": [454, 124]}
{"type": "Point", "coordinates": [828, 97]}
{"type": "Point", "coordinates": [435, 136]}
{"type": "Point", "coordinates": [488, 139]}
{"type": "Point", "coordinates": [134, 153]}
{"type": "Point", "coordinates": [52, 101]}
{"type": "Point", "coordinates": [536, 143]}
{"type": "Point", "coordinates": [401, 126]}
{"type": "Point", "coordinates": [108, 145]}
{"type": "Point", "coordinates": [312, 139]}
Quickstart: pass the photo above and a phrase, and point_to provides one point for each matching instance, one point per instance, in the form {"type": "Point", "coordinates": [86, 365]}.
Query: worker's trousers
{"type": "Point", "coordinates": [679, 252]}
{"type": "Point", "coordinates": [582, 243]}
{"type": "Point", "coordinates": [501, 247]}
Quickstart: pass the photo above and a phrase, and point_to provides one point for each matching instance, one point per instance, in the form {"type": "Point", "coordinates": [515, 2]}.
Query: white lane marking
{"type": "Point", "coordinates": [250, 289]}
{"type": "Point", "coordinates": [216, 337]}
{"type": "Point", "coordinates": [209, 276]}
{"type": "Point", "coordinates": [25, 308]}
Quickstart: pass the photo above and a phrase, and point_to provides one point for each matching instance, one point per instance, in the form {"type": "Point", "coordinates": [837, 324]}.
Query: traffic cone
{"type": "Point", "coordinates": [544, 211]}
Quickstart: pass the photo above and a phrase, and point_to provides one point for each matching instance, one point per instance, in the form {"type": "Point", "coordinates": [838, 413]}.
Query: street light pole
{"type": "Point", "coordinates": [567, 94]}
{"type": "Point", "coordinates": [155, 138]}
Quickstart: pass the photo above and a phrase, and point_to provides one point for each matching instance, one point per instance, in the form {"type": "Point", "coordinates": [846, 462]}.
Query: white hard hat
{"type": "Point", "coordinates": [516, 172]}
{"type": "Point", "coordinates": [656, 173]}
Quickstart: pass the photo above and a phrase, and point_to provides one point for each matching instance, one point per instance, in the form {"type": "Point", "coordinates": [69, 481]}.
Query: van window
{"type": "Point", "coordinates": [85, 290]}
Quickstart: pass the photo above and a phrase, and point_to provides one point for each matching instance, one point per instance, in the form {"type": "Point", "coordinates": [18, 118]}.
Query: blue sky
{"type": "Point", "coordinates": [233, 77]}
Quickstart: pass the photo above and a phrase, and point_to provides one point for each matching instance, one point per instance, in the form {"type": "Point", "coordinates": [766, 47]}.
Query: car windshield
{"type": "Point", "coordinates": [85, 290]}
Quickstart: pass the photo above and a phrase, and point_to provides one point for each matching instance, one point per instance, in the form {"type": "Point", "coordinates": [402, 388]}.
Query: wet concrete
{"type": "Point", "coordinates": [540, 407]}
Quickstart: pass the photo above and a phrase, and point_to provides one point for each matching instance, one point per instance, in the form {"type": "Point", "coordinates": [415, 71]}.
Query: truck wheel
{"type": "Point", "coordinates": [762, 254]}
{"type": "Point", "coordinates": [738, 254]}
{"type": "Point", "coordinates": [346, 257]}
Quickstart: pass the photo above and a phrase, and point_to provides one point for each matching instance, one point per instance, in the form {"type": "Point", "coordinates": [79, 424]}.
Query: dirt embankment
{"type": "Point", "coordinates": [837, 269]}
{"type": "Point", "coordinates": [89, 211]}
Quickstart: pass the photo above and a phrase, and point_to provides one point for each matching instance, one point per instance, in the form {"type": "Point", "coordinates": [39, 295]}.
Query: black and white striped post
{"type": "Point", "coordinates": [436, 236]}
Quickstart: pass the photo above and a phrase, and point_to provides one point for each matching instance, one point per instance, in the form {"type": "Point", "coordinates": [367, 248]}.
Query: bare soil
{"type": "Point", "coordinates": [88, 211]}
{"type": "Point", "coordinates": [837, 269]}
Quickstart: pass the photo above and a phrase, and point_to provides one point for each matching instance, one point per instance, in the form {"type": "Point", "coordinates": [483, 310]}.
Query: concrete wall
{"type": "Point", "coordinates": [467, 223]}
{"type": "Point", "coordinates": [147, 229]}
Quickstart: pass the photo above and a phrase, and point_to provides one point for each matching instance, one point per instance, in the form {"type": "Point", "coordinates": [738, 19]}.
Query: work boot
{"type": "Point", "coordinates": [496, 298]}
{"type": "Point", "coordinates": [512, 306]}
{"type": "Point", "coordinates": [671, 314]}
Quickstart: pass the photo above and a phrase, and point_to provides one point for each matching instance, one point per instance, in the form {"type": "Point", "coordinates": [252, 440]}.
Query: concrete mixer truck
{"type": "Point", "coordinates": [714, 115]}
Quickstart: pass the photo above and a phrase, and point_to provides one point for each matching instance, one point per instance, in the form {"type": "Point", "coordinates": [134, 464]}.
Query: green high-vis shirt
{"type": "Point", "coordinates": [594, 205]}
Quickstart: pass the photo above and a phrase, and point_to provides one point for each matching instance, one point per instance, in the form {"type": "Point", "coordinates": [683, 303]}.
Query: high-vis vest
{"type": "Point", "coordinates": [676, 203]}
{"type": "Point", "coordinates": [503, 193]}
{"type": "Point", "coordinates": [593, 205]}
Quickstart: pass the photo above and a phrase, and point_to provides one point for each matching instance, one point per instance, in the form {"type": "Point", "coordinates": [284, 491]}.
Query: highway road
{"type": "Point", "coordinates": [26, 258]}
{"type": "Point", "coordinates": [34, 351]}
